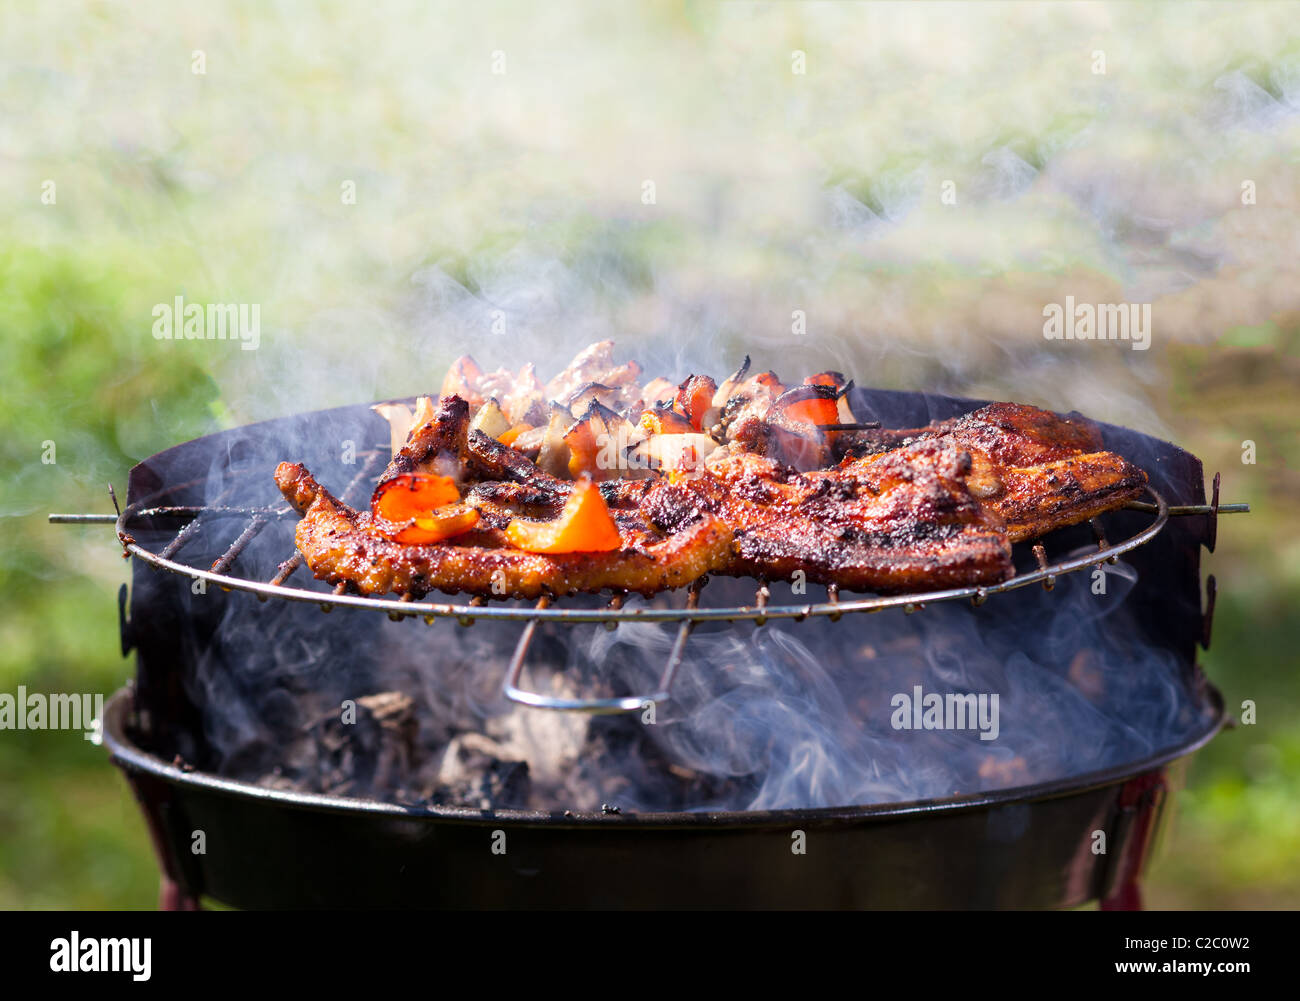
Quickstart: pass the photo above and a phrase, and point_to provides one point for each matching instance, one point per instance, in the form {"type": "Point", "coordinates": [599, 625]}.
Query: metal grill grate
{"type": "Point", "coordinates": [250, 521]}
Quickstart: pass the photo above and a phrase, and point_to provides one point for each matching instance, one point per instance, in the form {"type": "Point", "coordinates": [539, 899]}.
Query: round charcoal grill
{"type": "Point", "coordinates": [208, 511]}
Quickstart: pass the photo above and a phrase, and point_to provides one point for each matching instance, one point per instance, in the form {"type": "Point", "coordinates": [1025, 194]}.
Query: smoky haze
{"type": "Point", "coordinates": [916, 193]}
{"type": "Point", "coordinates": [780, 716]}
{"type": "Point", "coordinates": [786, 715]}
{"type": "Point", "coordinates": [911, 201]}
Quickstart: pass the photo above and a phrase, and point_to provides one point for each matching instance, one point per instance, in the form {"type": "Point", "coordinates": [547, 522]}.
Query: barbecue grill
{"type": "Point", "coordinates": [208, 512]}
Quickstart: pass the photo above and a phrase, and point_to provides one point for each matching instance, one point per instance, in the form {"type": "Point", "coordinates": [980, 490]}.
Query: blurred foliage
{"type": "Point", "coordinates": [1236, 836]}
{"type": "Point", "coordinates": [76, 376]}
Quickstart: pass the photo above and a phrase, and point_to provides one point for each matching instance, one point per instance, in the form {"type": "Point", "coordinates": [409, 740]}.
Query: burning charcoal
{"type": "Point", "coordinates": [998, 772]}
{"type": "Point", "coordinates": [476, 772]}
{"type": "Point", "coordinates": [1086, 674]}
{"type": "Point", "coordinates": [372, 753]}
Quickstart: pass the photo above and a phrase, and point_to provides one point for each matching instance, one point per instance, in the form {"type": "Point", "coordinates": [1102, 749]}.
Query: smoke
{"type": "Point", "coordinates": [903, 212]}
{"type": "Point", "coordinates": [780, 716]}
{"type": "Point", "coordinates": [517, 226]}
{"type": "Point", "coordinates": [785, 715]}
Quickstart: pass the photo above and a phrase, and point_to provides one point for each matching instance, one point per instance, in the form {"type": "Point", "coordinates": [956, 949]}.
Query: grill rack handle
{"type": "Point", "coordinates": [515, 692]}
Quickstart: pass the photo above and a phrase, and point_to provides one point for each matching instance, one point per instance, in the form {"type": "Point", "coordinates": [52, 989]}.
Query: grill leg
{"type": "Point", "coordinates": [1127, 897]}
{"type": "Point", "coordinates": [1140, 801]}
{"type": "Point", "coordinates": [172, 898]}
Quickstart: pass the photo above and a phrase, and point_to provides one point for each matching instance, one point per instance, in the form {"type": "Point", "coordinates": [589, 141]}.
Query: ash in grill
{"type": "Point", "coordinates": [757, 700]}
{"type": "Point", "coordinates": [775, 717]}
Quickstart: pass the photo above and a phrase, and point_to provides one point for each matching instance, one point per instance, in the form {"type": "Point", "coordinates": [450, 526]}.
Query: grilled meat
{"type": "Point", "coordinates": [1036, 469]}
{"type": "Point", "coordinates": [891, 523]}
{"type": "Point", "coordinates": [900, 522]}
{"type": "Point", "coordinates": [341, 544]}
{"type": "Point", "coordinates": [780, 482]}
{"type": "Point", "coordinates": [439, 444]}
{"type": "Point", "coordinates": [499, 474]}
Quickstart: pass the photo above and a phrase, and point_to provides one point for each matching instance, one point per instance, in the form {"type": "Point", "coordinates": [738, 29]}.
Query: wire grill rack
{"type": "Point", "coordinates": [250, 521]}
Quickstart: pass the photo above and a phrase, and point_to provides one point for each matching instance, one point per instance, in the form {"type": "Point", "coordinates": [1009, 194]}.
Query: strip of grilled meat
{"type": "Point", "coordinates": [341, 544]}
{"type": "Point", "coordinates": [900, 522]}
{"type": "Point", "coordinates": [1036, 469]}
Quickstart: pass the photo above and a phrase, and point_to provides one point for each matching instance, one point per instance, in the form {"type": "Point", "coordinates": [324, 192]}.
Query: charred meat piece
{"type": "Point", "coordinates": [809, 426]}
{"type": "Point", "coordinates": [1039, 499]}
{"type": "Point", "coordinates": [438, 445]}
{"type": "Point", "coordinates": [900, 522]}
{"type": "Point", "coordinates": [341, 544]}
{"type": "Point", "coordinates": [445, 444]}
{"type": "Point", "coordinates": [1036, 469]}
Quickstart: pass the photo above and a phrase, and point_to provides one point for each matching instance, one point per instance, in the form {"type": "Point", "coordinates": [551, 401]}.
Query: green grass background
{"type": "Point", "coordinates": [522, 192]}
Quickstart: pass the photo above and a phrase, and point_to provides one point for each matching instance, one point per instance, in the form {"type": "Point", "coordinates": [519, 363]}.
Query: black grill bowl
{"type": "Point", "coordinates": [1016, 848]}
{"type": "Point", "coordinates": [1031, 846]}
